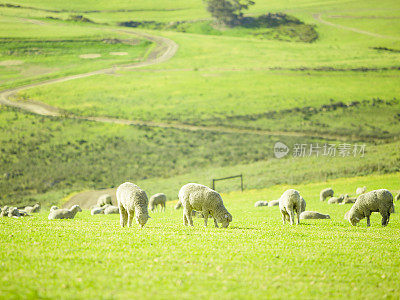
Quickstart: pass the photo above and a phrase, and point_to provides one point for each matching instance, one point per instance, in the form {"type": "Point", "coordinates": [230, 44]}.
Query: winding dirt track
{"type": "Point", "coordinates": [319, 19]}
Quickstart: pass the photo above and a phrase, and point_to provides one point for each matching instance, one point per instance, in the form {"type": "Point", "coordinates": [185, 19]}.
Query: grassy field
{"type": "Point", "coordinates": [235, 82]}
{"type": "Point", "coordinates": [92, 257]}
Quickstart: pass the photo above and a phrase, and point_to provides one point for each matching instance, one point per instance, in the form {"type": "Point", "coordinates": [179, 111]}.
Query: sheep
{"type": "Point", "coordinates": [104, 200]}
{"type": "Point", "coordinates": [111, 210]}
{"type": "Point", "coordinates": [313, 215]}
{"type": "Point", "coordinates": [97, 210]}
{"type": "Point", "coordinates": [13, 212]}
{"type": "Point", "coordinates": [64, 213]}
{"type": "Point", "coordinates": [375, 201]}
{"type": "Point", "coordinates": [361, 190]}
{"type": "Point", "coordinates": [335, 200]}
{"type": "Point", "coordinates": [348, 200]}
{"type": "Point", "coordinates": [157, 199]}
{"type": "Point", "coordinates": [325, 194]}
{"type": "Point", "coordinates": [289, 204]}
{"type": "Point", "coordinates": [201, 198]}
{"type": "Point", "coordinates": [178, 205]}
{"type": "Point", "coordinates": [273, 203]}
{"type": "Point", "coordinates": [33, 209]}
{"type": "Point", "coordinates": [303, 204]}
{"type": "Point", "coordinates": [4, 212]}
{"type": "Point", "coordinates": [132, 201]}
{"type": "Point", "coordinates": [261, 203]}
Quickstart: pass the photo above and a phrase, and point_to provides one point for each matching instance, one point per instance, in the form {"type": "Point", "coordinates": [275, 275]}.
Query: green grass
{"type": "Point", "coordinates": [256, 257]}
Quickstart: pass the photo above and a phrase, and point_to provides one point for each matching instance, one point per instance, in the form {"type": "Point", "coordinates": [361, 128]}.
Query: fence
{"type": "Point", "coordinates": [214, 180]}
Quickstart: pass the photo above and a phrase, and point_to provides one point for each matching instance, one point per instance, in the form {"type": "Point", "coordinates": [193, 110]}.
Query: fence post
{"type": "Point", "coordinates": [241, 182]}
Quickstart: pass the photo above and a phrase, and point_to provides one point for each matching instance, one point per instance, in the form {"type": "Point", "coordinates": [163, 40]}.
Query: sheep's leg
{"type": "Point", "coordinates": [298, 217]}
{"type": "Point", "coordinates": [291, 217]}
{"type": "Point", "coordinates": [130, 218]}
{"type": "Point", "coordinates": [385, 219]}
{"type": "Point", "coordinates": [163, 207]}
{"type": "Point", "coordinates": [205, 216]}
{"type": "Point", "coordinates": [283, 217]}
{"type": "Point", "coordinates": [185, 216]}
{"type": "Point", "coordinates": [215, 223]}
{"type": "Point", "coordinates": [190, 217]}
{"type": "Point", "coordinates": [123, 215]}
{"type": "Point", "coordinates": [368, 215]}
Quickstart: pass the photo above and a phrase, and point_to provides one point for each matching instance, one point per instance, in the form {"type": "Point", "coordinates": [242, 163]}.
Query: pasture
{"type": "Point", "coordinates": [256, 257]}
{"type": "Point", "coordinates": [198, 102]}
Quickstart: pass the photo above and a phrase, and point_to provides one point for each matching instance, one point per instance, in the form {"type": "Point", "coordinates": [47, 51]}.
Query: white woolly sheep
{"type": "Point", "coordinates": [313, 215]}
{"type": "Point", "coordinates": [348, 200]}
{"type": "Point", "coordinates": [325, 194]}
{"type": "Point", "coordinates": [104, 200]}
{"type": "Point", "coordinates": [132, 202]}
{"type": "Point", "coordinates": [361, 190]}
{"type": "Point", "coordinates": [375, 201]}
{"type": "Point", "coordinates": [4, 211]}
{"type": "Point", "coordinates": [201, 198]}
{"type": "Point", "coordinates": [97, 210]}
{"type": "Point", "coordinates": [13, 212]}
{"type": "Point", "coordinates": [289, 204]}
{"type": "Point", "coordinates": [63, 213]}
{"type": "Point", "coordinates": [157, 199]}
{"type": "Point", "coordinates": [273, 203]}
{"type": "Point", "coordinates": [178, 205]}
{"type": "Point", "coordinates": [335, 200]}
{"type": "Point", "coordinates": [32, 209]}
{"type": "Point", "coordinates": [111, 210]}
{"type": "Point", "coordinates": [261, 203]}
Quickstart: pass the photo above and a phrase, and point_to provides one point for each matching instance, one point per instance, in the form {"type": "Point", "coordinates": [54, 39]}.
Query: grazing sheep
{"type": "Point", "coordinates": [261, 203]}
{"type": "Point", "coordinates": [273, 203]}
{"type": "Point", "coordinates": [361, 190]}
{"type": "Point", "coordinates": [97, 210]}
{"type": "Point", "coordinates": [13, 212]}
{"type": "Point", "coordinates": [303, 204]}
{"type": "Point", "coordinates": [111, 210]}
{"type": "Point", "coordinates": [132, 201]}
{"type": "Point", "coordinates": [313, 215]}
{"type": "Point", "coordinates": [157, 199]}
{"type": "Point", "coordinates": [348, 200]}
{"type": "Point", "coordinates": [178, 205]}
{"type": "Point", "coordinates": [335, 200]}
{"type": "Point", "coordinates": [33, 209]}
{"type": "Point", "coordinates": [4, 211]}
{"type": "Point", "coordinates": [201, 198]}
{"type": "Point", "coordinates": [104, 200]}
{"type": "Point", "coordinates": [289, 204]}
{"type": "Point", "coordinates": [64, 213]}
{"type": "Point", "coordinates": [325, 194]}
{"type": "Point", "coordinates": [53, 208]}
{"type": "Point", "coordinates": [375, 201]}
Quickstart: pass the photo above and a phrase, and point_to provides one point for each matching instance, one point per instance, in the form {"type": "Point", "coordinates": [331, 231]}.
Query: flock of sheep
{"type": "Point", "coordinates": [291, 203]}
{"type": "Point", "coordinates": [200, 200]}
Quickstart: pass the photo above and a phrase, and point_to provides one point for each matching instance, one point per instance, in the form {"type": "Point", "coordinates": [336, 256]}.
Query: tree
{"type": "Point", "coordinates": [228, 12]}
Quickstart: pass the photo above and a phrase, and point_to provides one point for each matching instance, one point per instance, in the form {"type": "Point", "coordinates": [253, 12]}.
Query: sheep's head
{"type": "Point", "coordinates": [353, 218]}
{"type": "Point", "coordinates": [76, 208]}
{"type": "Point", "coordinates": [226, 219]}
{"type": "Point", "coordinates": [151, 206]}
{"type": "Point", "coordinates": [141, 219]}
